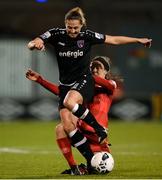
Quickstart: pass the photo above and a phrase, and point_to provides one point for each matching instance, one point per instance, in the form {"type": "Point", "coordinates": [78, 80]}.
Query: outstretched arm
{"type": "Point", "coordinates": [117, 40]}
{"type": "Point", "coordinates": [34, 76]}
{"type": "Point", "coordinates": [108, 84]}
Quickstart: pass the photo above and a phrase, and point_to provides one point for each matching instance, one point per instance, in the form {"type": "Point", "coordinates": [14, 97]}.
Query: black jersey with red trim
{"type": "Point", "coordinates": [73, 54]}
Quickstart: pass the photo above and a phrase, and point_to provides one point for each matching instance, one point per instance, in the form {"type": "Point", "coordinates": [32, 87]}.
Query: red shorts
{"type": "Point", "coordinates": [94, 144]}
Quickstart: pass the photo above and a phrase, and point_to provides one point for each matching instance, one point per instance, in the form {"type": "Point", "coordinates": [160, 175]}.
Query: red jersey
{"type": "Point", "coordinates": [101, 103]}
{"type": "Point", "coordinates": [99, 108]}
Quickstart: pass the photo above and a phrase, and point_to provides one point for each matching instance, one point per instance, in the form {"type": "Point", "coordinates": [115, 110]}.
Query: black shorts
{"type": "Point", "coordinates": [85, 86]}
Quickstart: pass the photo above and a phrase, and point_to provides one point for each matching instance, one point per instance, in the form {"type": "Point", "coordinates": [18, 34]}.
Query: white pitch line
{"type": "Point", "coordinates": [13, 150]}
{"type": "Point", "coordinates": [24, 151]}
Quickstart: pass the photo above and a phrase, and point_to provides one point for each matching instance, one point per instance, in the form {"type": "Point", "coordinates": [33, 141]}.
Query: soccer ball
{"type": "Point", "coordinates": [102, 162]}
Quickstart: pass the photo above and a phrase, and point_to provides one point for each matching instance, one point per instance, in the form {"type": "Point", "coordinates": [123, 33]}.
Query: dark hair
{"type": "Point", "coordinates": [76, 13]}
{"type": "Point", "coordinates": [104, 60]}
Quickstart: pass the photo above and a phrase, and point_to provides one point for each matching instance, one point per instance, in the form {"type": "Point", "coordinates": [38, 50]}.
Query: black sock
{"type": "Point", "coordinates": [80, 142]}
{"type": "Point", "coordinates": [83, 113]}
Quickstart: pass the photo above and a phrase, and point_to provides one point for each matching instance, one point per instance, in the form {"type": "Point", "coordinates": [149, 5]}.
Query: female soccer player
{"type": "Point", "coordinates": [72, 47]}
{"type": "Point", "coordinates": [100, 106]}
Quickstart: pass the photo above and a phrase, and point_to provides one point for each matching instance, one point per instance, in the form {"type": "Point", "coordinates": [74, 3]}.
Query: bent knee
{"type": "Point", "coordinates": [72, 98]}
{"type": "Point", "coordinates": [67, 103]}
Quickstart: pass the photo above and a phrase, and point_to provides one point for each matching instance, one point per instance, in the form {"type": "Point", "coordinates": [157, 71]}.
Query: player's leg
{"type": "Point", "coordinates": [92, 138]}
{"type": "Point", "coordinates": [77, 138]}
{"type": "Point", "coordinates": [94, 144]}
{"type": "Point", "coordinates": [83, 90]}
{"type": "Point", "coordinates": [65, 145]}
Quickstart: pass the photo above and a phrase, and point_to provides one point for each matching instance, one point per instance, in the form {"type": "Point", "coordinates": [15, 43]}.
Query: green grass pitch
{"type": "Point", "coordinates": [28, 150]}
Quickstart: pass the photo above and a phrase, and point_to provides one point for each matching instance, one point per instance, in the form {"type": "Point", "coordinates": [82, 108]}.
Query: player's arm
{"type": "Point", "coordinates": [117, 40]}
{"type": "Point", "coordinates": [48, 85]}
{"type": "Point", "coordinates": [34, 76]}
{"type": "Point", "coordinates": [108, 84]}
{"type": "Point", "coordinates": [40, 41]}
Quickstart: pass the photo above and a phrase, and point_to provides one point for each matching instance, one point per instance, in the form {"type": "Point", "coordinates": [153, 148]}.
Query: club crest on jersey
{"type": "Point", "coordinates": [80, 43]}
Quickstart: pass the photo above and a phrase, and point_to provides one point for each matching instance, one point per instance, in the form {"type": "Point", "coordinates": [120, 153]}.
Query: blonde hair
{"type": "Point", "coordinates": [76, 13]}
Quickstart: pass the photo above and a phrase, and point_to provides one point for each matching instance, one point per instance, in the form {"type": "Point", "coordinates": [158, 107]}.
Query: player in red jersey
{"type": "Point", "coordinates": [100, 106]}
{"type": "Point", "coordinates": [102, 100]}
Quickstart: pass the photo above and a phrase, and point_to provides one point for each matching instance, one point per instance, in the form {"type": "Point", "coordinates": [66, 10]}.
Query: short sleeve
{"type": "Point", "coordinates": [49, 35]}
{"type": "Point", "coordinates": [94, 37]}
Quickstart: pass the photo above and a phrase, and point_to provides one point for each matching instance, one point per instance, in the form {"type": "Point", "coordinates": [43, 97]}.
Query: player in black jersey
{"type": "Point", "coordinates": [72, 47]}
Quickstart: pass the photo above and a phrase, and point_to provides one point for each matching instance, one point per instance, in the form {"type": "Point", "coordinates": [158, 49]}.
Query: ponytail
{"type": "Point", "coordinates": [76, 13]}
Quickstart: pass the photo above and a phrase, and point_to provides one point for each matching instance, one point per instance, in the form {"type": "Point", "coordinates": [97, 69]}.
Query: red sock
{"type": "Point", "coordinates": [65, 147]}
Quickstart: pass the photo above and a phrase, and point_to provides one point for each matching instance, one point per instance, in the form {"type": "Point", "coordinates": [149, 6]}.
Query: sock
{"type": "Point", "coordinates": [83, 113]}
{"type": "Point", "coordinates": [80, 142]}
{"type": "Point", "coordinates": [65, 147]}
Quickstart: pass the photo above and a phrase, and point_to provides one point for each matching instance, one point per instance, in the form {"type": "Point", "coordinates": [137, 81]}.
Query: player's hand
{"type": "Point", "coordinates": [146, 42]}
{"type": "Point", "coordinates": [36, 44]}
{"type": "Point", "coordinates": [32, 75]}
{"type": "Point", "coordinates": [31, 45]}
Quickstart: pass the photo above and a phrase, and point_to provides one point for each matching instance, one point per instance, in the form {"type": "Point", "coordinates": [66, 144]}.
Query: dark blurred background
{"type": "Point", "coordinates": [141, 68]}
